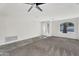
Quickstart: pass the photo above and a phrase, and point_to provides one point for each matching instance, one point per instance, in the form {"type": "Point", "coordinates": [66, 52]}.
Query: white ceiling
{"type": "Point", "coordinates": [50, 10]}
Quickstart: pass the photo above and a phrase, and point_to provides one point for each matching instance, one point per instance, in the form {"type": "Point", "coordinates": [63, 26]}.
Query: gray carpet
{"type": "Point", "coordinates": [51, 46]}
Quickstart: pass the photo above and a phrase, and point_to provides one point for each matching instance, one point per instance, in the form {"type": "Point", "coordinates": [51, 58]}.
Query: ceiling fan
{"type": "Point", "coordinates": [36, 5]}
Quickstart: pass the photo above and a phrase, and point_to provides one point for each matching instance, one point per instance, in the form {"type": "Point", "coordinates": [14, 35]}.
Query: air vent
{"type": "Point", "coordinates": [11, 38]}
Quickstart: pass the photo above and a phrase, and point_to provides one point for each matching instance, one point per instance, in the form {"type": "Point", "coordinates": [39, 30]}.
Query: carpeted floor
{"type": "Point", "coordinates": [51, 46]}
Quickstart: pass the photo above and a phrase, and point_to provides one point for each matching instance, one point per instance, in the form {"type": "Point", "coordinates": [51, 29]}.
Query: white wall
{"type": "Point", "coordinates": [2, 22]}
{"type": "Point", "coordinates": [18, 21]}
{"type": "Point", "coordinates": [2, 30]}
{"type": "Point", "coordinates": [22, 27]}
{"type": "Point", "coordinates": [56, 28]}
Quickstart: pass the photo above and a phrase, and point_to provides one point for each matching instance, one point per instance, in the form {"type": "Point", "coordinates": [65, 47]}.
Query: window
{"type": "Point", "coordinates": [67, 27]}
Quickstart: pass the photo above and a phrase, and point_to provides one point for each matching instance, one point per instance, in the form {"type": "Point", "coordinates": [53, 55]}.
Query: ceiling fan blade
{"type": "Point", "coordinates": [30, 3]}
{"type": "Point", "coordinates": [39, 3]}
{"type": "Point", "coordinates": [39, 8]}
{"type": "Point", "coordinates": [30, 8]}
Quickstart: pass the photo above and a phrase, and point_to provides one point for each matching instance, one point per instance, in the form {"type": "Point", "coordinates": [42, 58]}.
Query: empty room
{"type": "Point", "coordinates": [39, 29]}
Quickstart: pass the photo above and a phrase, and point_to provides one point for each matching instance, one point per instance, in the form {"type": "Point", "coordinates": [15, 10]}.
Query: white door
{"type": "Point", "coordinates": [45, 28]}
